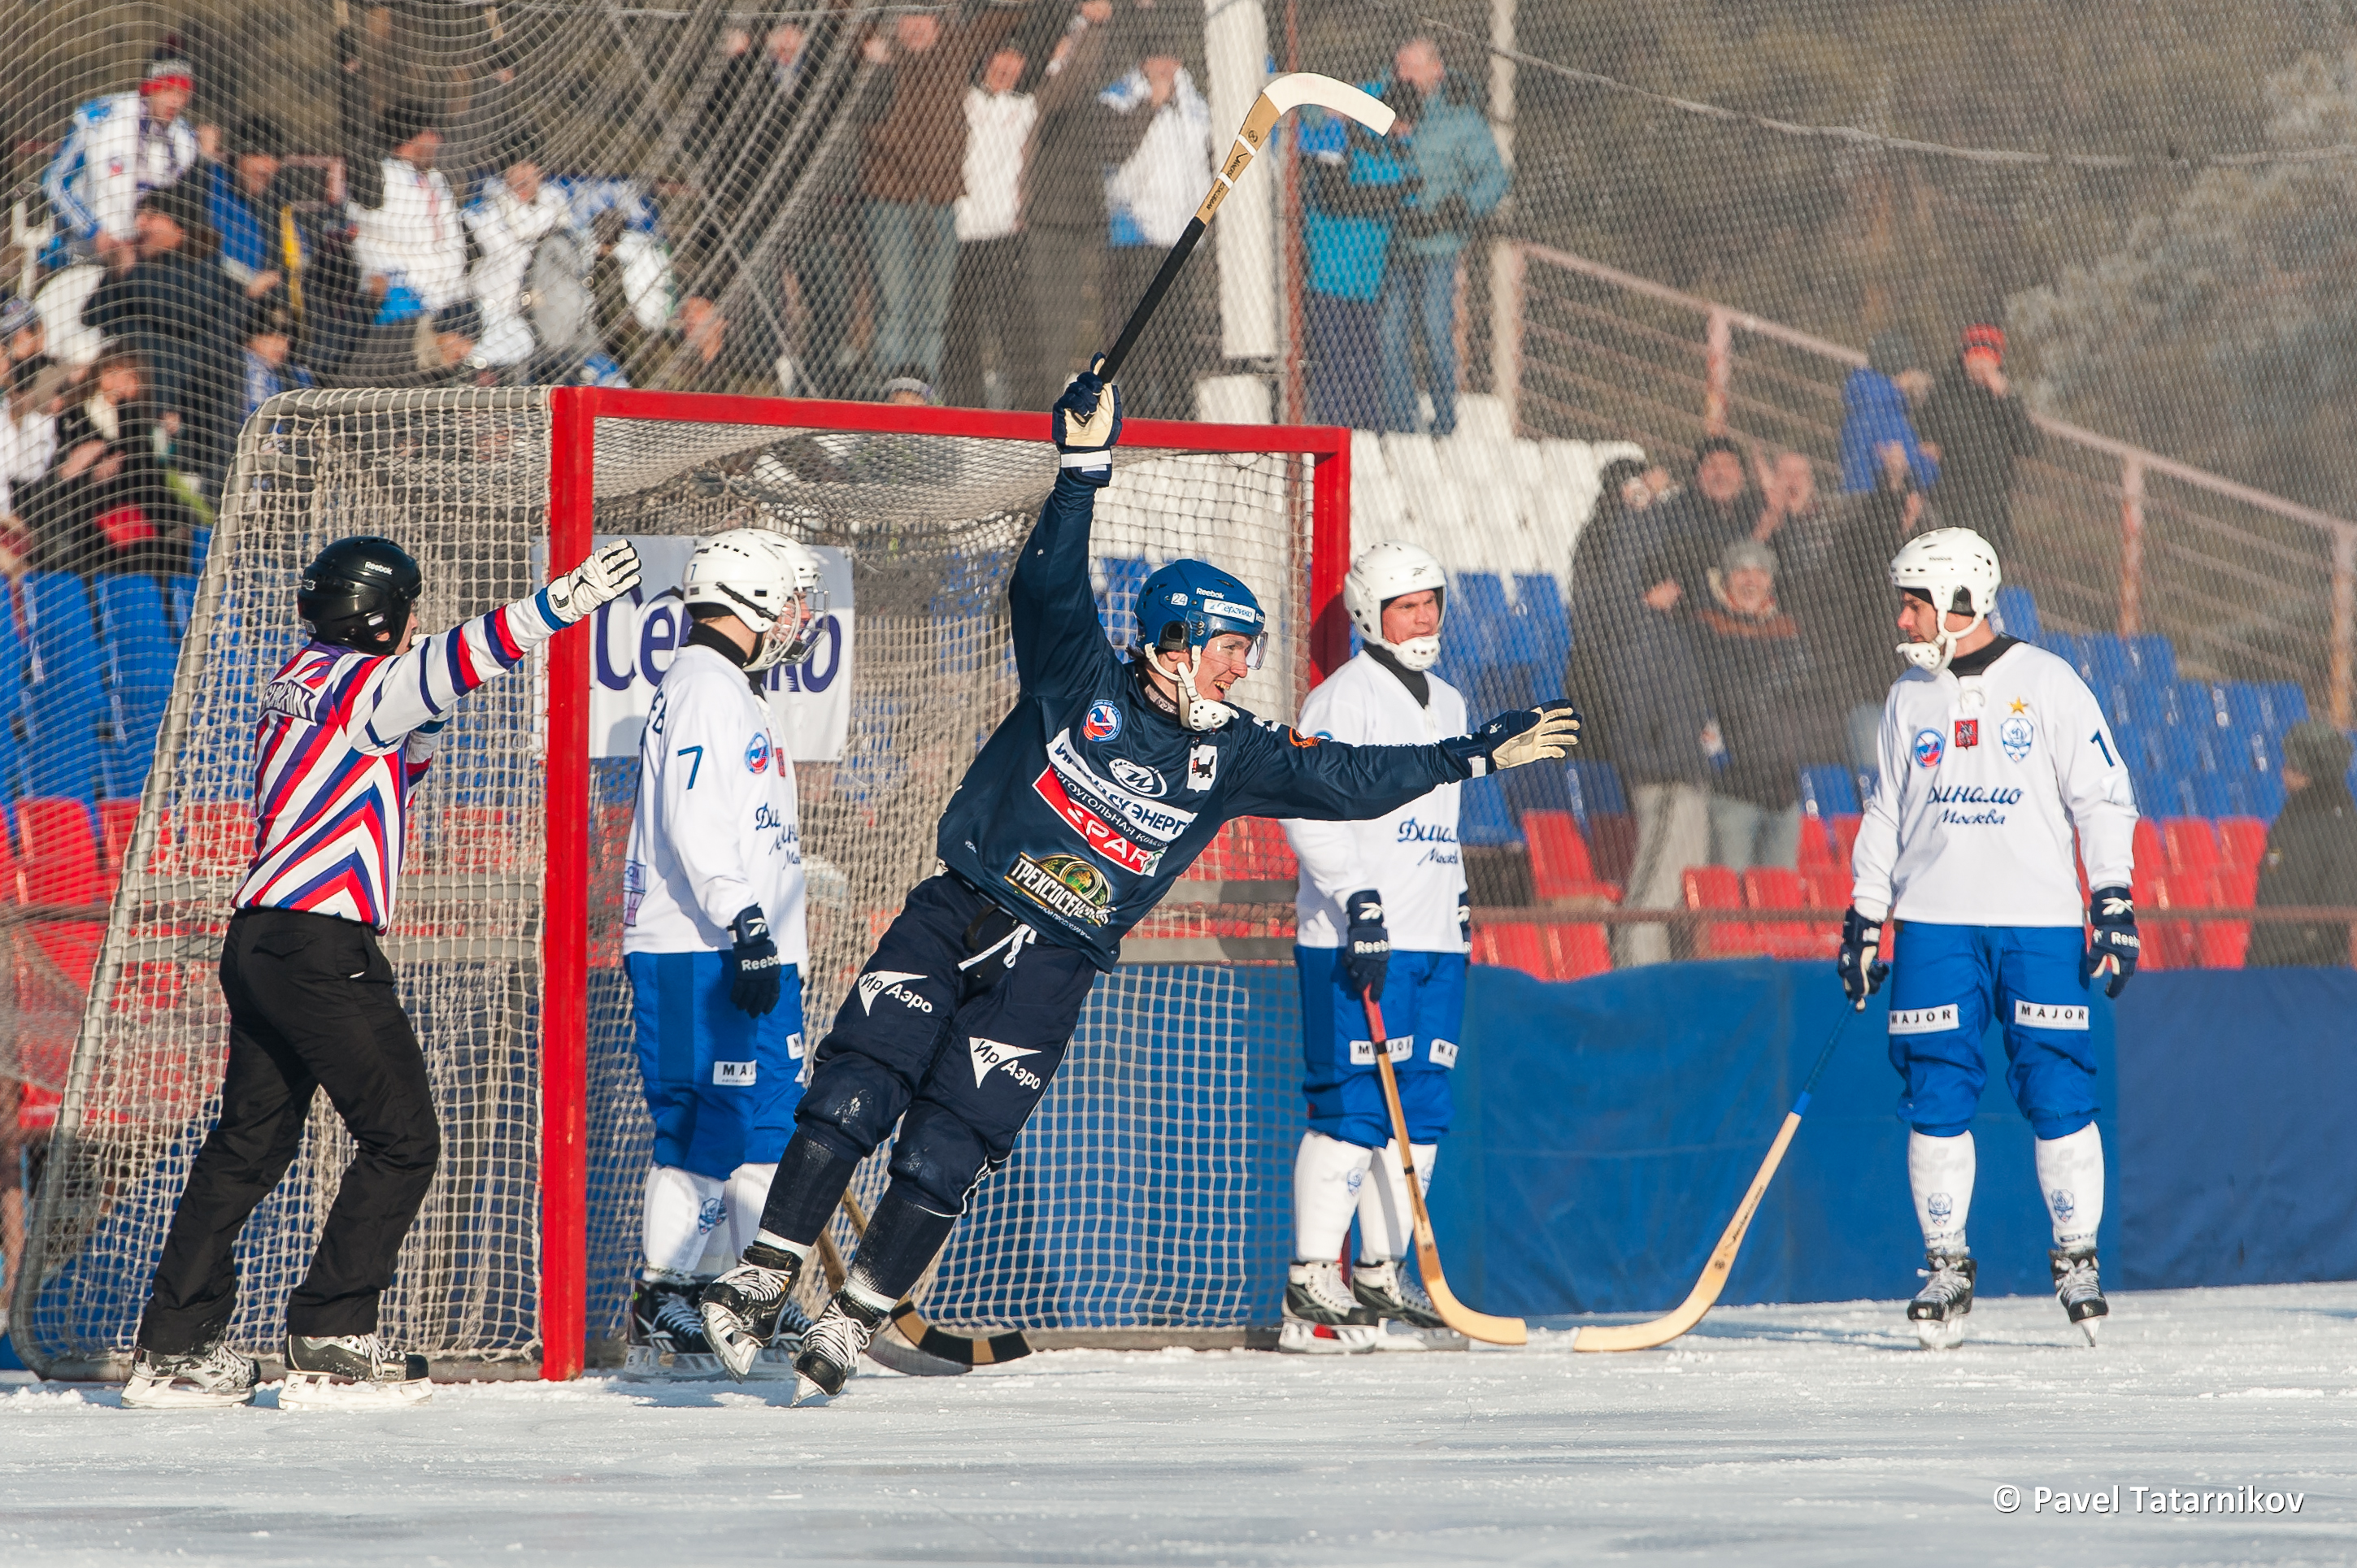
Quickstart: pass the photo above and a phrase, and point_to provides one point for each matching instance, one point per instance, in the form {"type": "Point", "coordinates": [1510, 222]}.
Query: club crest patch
{"type": "Point", "coordinates": [757, 752]}
{"type": "Point", "coordinates": [1138, 775]}
{"type": "Point", "coordinates": [1103, 722]}
{"type": "Point", "coordinates": [1929, 748]}
{"type": "Point", "coordinates": [1968, 734]}
{"type": "Point", "coordinates": [1065, 883]}
{"type": "Point", "coordinates": [2017, 735]}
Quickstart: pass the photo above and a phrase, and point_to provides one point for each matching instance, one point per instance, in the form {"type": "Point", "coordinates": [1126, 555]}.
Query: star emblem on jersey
{"type": "Point", "coordinates": [2020, 705]}
{"type": "Point", "coordinates": [993, 1056]}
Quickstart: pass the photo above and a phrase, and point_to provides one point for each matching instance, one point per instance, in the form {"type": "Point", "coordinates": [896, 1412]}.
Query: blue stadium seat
{"type": "Point", "coordinates": [968, 585]}
{"type": "Point", "coordinates": [1536, 788]}
{"type": "Point", "coordinates": [2016, 614]}
{"type": "Point", "coordinates": [1482, 820]}
{"type": "Point", "coordinates": [2065, 646]}
{"type": "Point", "coordinates": [2284, 703]}
{"type": "Point", "coordinates": [2127, 662]}
{"type": "Point", "coordinates": [64, 693]}
{"type": "Point", "coordinates": [181, 601]}
{"type": "Point", "coordinates": [1539, 605]}
{"type": "Point", "coordinates": [1478, 606]}
{"type": "Point", "coordinates": [1828, 791]}
{"type": "Point", "coordinates": [1594, 791]}
{"type": "Point", "coordinates": [1118, 600]}
{"type": "Point", "coordinates": [134, 637]}
{"type": "Point", "coordinates": [201, 544]}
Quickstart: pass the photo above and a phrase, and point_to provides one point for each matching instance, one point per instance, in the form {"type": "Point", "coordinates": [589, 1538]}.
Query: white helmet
{"type": "Point", "coordinates": [1382, 573]}
{"type": "Point", "coordinates": [1958, 571]}
{"type": "Point", "coordinates": [766, 580]}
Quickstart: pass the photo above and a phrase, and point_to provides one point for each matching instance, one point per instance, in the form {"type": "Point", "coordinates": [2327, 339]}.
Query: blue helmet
{"type": "Point", "coordinates": [1186, 604]}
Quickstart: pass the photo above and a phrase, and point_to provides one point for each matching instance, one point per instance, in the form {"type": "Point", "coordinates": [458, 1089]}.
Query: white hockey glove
{"type": "Point", "coordinates": [603, 578]}
{"type": "Point", "coordinates": [1523, 735]}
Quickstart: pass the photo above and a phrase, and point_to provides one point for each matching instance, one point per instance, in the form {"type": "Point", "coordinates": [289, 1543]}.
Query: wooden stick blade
{"type": "Point", "coordinates": [1290, 93]}
{"type": "Point", "coordinates": [1705, 1295]}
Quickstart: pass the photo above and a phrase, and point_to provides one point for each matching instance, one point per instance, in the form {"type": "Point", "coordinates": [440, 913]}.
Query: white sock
{"type": "Point", "coordinates": [748, 1191]}
{"type": "Point", "coordinates": [2071, 1175]}
{"type": "Point", "coordinates": [1941, 1171]}
{"type": "Point", "coordinates": [1386, 1222]}
{"type": "Point", "coordinates": [1327, 1175]}
{"type": "Point", "coordinates": [771, 1239]}
{"type": "Point", "coordinates": [683, 1211]}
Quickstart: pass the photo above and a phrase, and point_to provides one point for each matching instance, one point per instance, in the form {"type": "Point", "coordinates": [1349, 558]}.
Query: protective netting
{"type": "Point", "coordinates": [1151, 1158]}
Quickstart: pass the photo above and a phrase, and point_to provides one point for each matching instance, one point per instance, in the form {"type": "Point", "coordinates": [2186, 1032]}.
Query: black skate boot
{"type": "Point", "coordinates": [1941, 1307]}
{"type": "Point", "coordinates": [831, 1348]}
{"type": "Point", "coordinates": [1322, 1316]}
{"type": "Point", "coordinates": [2078, 1288]}
{"type": "Point", "coordinates": [1409, 1320]}
{"type": "Point", "coordinates": [338, 1371]}
{"type": "Point", "coordinates": [209, 1377]}
{"type": "Point", "coordinates": [741, 1307]}
{"type": "Point", "coordinates": [666, 1339]}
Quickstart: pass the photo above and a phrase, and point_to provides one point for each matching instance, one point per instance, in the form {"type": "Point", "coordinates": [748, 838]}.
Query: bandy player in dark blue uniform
{"type": "Point", "coordinates": [1090, 797]}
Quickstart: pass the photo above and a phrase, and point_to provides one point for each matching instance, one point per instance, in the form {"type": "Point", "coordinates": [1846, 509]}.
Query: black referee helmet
{"type": "Point", "coordinates": [358, 593]}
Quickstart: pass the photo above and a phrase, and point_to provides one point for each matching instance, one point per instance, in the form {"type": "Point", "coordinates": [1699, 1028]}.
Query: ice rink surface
{"type": "Point", "coordinates": [1789, 1435]}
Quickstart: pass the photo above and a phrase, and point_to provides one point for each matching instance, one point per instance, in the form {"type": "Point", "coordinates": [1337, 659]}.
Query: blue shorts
{"type": "Point", "coordinates": [1946, 979]}
{"type": "Point", "coordinates": [721, 1085]}
{"type": "Point", "coordinates": [1424, 1010]}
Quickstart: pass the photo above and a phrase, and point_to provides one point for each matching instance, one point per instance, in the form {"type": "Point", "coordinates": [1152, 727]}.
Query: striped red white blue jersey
{"type": "Point", "coordinates": [343, 739]}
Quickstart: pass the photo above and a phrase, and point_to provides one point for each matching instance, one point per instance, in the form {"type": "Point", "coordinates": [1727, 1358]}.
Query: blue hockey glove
{"type": "Point", "coordinates": [2113, 947]}
{"type": "Point", "coordinates": [1367, 951]}
{"type": "Point", "coordinates": [1860, 958]}
{"type": "Point", "coordinates": [1465, 916]}
{"type": "Point", "coordinates": [1519, 736]}
{"type": "Point", "coordinates": [1087, 424]}
{"type": "Point", "coordinates": [754, 983]}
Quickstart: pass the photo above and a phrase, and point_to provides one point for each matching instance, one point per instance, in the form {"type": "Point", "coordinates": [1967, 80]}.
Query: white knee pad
{"type": "Point", "coordinates": [1327, 1175]}
{"type": "Point", "coordinates": [2071, 1175]}
{"type": "Point", "coordinates": [1940, 1171]}
{"type": "Point", "coordinates": [682, 1212]}
{"type": "Point", "coordinates": [747, 1192]}
{"type": "Point", "coordinates": [1386, 1220]}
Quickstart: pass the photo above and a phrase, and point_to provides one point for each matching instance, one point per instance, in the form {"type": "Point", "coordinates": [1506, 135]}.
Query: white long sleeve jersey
{"type": "Point", "coordinates": [418, 237]}
{"type": "Point", "coordinates": [1411, 857]}
{"type": "Point", "coordinates": [1984, 778]}
{"type": "Point", "coordinates": [113, 152]}
{"type": "Point", "coordinates": [717, 826]}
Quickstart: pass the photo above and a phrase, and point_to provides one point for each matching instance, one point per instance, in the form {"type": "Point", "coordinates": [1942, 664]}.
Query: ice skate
{"type": "Point", "coordinates": [345, 1371]}
{"type": "Point", "coordinates": [210, 1376]}
{"type": "Point", "coordinates": [2079, 1290]}
{"type": "Point", "coordinates": [1408, 1319]}
{"type": "Point", "coordinates": [1321, 1315]}
{"type": "Point", "coordinates": [666, 1340]}
{"type": "Point", "coordinates": [777, 1358]}
{"type": "Point", "coordinates": [741, 1307]}
{"type": "Point", "coordinates": [832, 1346]}
{"type": "Point", "coordinates": [1940, 1309]}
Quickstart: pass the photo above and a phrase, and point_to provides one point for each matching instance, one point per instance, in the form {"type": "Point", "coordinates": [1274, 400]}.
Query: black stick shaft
{"type": "Point", "coordinates": [1152, 300]}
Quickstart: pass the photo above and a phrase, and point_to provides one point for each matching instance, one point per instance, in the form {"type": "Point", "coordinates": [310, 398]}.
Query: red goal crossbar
{"type": "Point", "coordinates": [574, 413]}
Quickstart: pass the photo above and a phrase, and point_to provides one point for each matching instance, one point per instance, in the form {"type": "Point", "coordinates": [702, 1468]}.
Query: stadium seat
{"type": "Point", "coordinates": [1828, 790]}
{"type": "Point", "coordinates": [115, 821]}
{"type": "Point", "coordinates": [1482, 820]}
{"type": "Point", "coordinates": [132, 634]}
{"type": "Point", "coordinates": [1830, 890]}
{"type": "Point", "coordinates": [1715, 887]}
{"type": "Point", "coordinates": [2016, 614]}
{"type": "Point", "coordinates": [12, 873]}
{"type": "Point", "coordinates": [2150, 851]}
{"type": "Point", "coordinates": [2172, 944]}
{"type": "Point", "coordinates": [1595, 788]}
{"type": "Point", "coordinates": [1538, 789]}
{"type": "Point", "coordinates": [2242, 841]}
{"type": "Point", "coordinates": [1816, 845]}
{"type": "Point", "coordinates": [469, 839]}
{"type": "Point", "coordinates": [1612, 846]}
{"type": "Point", "coordinates": [1560, 867]}
{"type": "Point", "coordinates": [201, 544]}
{"type": "Point", "coordinates": [64, 692]}
{"type": "Point", "coordinates": [2224, 944]}
{"type": "Point", "coordinates": [61, 853]}
{"type": "Point", "coordinates": [1845, 832]}
{"type": "Point", "coordinates": [2193, 848]}
{"type": "Point", "coordinates": [1117, 599]}
{"type": "Point", "coordinates": [1773, 887]}
{"type": "Point", "coordinates": [2284, 703]}
{"type": "Point", "coordinates": [1539, 606]}
{"type": "Point", "coordinates": [206, 838]}
{"type": "Point", "coordinates": [1479, 613]}
{"type": "Point", "coordinates": [179, 602]}
{"type": "Point", "coordinates": [1513, 944]}
{"type": "Point", "coordinates": [1266, 856]}
{"type": "Point", "coordinates": [1578, 951]}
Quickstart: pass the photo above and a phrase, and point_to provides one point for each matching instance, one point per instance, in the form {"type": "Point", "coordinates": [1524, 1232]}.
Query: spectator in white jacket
{"type": "Point", "coordinates": [1149, 196]}
{"type": "Point", "coordinates": [118, 149]}
{"type": "Point", "coordinates": [989, 345]}
{"type": "Point", "coordinates": [511, 221]}
{"type": "Point", "coordinates": [409, 243]}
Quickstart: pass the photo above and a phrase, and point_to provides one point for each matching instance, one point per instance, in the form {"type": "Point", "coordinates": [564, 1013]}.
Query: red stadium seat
{"type": "Point", "coordinates": [1830, 890]}
{"type": "Point", "coordinates": [1844, 829]}
{"type": "Point", "coordinates": [470, 839]}
{"type": "Point", "coordinates": [1715, 887]}
{"type": "Point", "coordinates": [2151, 850]}
{"type": "Point", "coordinates": [1559, 864]}
{"type": "Point", "coordinates": [115, 821]}
{"type": "Point", "coordinates": [2241, 840]}
{"type": "Point", "coordinates": [1816, 845]}
{"type": "Point", "coordinates": [1578, 951]}
{"type": "Point", "coordinates": [2172, 944]}
{"type": "Point", "coordinates": [2225, 943]}
{"type": "Point", "coordinates": [1513, 944]}
{"type": "Point", "coordinates": [1267, 856]}
{"type": "Point", "coordinates": [207, 838]}
{"type": "Point", "coordinates": [1773, 887]}
{"type": "Point", "coordinates": [1612, 835]}
{"type": "Point", "coordinates": [60, 861]}
{"type": "Point", "coordinates": [2193, 848]}
{"type": "Point", "coordinates": [12, 873]}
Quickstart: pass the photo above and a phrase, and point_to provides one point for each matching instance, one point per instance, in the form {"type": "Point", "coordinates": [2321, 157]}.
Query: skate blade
{"type": "Point", "coordinates": [1939, 1336]}
{"type": "Point", "coordinates": [644, 1364]}
{"type": "Point", "coordinates": [2087, 1326]}
{"type": "Point", "coordinates": [1295, 1337]}
{"type": "Point", "coordinates": [809, 1393]}
{"type": "Point", "coordinates": [317, 1390]}
{"type": "Point", "coordinates": [735, 1349]}
{"type": "Point", "coordinates": [164, 1396]}
{"type": "Point", "coordinates": [775, 1362]}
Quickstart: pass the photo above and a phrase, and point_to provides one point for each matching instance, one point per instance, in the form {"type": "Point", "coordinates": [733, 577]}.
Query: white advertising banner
{"type": "Point", "coordinates": [810, 702]}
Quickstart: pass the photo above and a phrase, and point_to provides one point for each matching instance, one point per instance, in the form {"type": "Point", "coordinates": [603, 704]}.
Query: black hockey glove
{"type": "Point", "coordinates": [2114, 946]}
{"type": "Point", "coordinates": [1087, 425]}
{"type": "Point", "coordinates": [1367, 953]}
{"type": "Point", "coordinates": [1860, 958]}
{"type": "Point", "coordinates": [754, 983]}
{"type": "Point", "coordinates": [1513, 738]}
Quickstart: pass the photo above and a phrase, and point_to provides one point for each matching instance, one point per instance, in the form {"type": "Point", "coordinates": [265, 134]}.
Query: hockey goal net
{"type": "Point", "coordinates": [1141, 1197]}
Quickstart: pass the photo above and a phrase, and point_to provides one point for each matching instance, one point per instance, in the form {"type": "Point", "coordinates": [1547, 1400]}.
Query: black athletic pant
{"type": "Point", "coordinates": [952, 1030]}
{"type": "Point", "coordinates": [311, 1005]}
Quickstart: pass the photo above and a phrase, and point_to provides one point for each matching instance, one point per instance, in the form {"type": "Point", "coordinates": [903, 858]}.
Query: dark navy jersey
{"type": "Point", "coordinates": [1090, 799]}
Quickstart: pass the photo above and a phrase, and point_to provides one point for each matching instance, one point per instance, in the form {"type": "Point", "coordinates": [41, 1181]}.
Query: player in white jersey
{"type": "Point", "coordinates": [1382, 906]}
{"type": "Point", "coordinates": [714, 937]}
{"type": "Point", "coordinates": [1994, 755]}
{"type": "Point", "coordinates": [348, 729]}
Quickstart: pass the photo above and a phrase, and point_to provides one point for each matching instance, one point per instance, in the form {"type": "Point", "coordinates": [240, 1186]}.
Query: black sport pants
{"type": "Point", "coordinates": [311, 1006]}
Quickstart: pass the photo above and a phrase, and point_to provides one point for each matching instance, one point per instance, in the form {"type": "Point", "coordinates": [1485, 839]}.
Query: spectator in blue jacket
{"type": "Point", "coordinates": [1458, 179]}
{"type": "Point", "coordinates": [237, 203]}
{"type": "Point", "coordinates": [1875, 415]}
{"type": "Point", "coordinates": [1353, 187]}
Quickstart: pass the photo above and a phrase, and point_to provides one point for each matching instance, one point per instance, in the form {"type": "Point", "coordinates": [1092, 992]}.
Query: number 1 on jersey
{"type": "Point", "coordinates": [2105, 747]}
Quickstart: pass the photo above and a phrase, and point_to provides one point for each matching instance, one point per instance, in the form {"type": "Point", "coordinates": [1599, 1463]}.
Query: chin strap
{"type": "Point", "coordinates": [1417, 653]}
{"type": "Point", "coordinates": [1933, 656]}
{"type": "Point", "coordinates": [1196, 711]}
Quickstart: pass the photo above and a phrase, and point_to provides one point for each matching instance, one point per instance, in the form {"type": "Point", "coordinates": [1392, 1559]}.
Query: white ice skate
{"type": "Point", "coordinates": [831, 1348]}
{"type": "Point", "coordinates": [350, 1371]}
{"type": "Point", "coordinates": [210, 1376]}
{"type": "Point", "coordinates": [2079, 1288]}
{"type": "Point", "coordinates": [1322, 1316]}
{"type": "Point", "coordinates": [1409, 1321]}
{"type": "Point", "coordinates": [1941, 1307]}
{"type": "Point", "coordinates": [741, 1309]}
{"type": "Point", "coordinates": [666, 1340]}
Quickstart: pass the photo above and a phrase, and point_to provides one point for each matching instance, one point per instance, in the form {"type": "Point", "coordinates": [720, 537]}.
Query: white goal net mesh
{"type": "Point", "coordinates": [1133, 1200]}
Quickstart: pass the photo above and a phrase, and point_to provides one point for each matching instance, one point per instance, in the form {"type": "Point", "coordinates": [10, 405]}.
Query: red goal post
{"type": "Point", "coordinates": [574, 417]}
